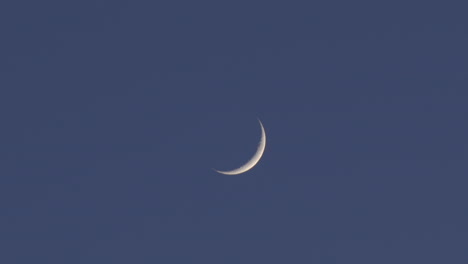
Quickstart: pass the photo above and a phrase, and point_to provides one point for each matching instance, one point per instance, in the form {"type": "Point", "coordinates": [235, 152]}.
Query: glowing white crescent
{"type": "Point", "coordinates": [254, 160]}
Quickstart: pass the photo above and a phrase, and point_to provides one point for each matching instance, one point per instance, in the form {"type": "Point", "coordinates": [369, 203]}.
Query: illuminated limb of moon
{"type": "Point", "coordinates": [254, 160]}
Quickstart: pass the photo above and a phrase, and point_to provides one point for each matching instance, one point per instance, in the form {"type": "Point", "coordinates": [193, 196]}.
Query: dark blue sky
{"type": "Point", "coordinates": [113, 113]}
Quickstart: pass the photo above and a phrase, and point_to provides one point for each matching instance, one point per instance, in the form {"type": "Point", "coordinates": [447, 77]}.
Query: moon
{"type": "Point", "coordinates": [254, 160]}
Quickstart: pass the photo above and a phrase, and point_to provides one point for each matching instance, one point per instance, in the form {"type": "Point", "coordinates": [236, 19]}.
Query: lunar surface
{"type": "Point", "coordinates": [254, 160]}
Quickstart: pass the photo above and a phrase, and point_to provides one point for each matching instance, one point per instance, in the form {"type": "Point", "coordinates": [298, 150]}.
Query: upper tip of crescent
{"type": "Point", "coordinates": [259, 121]}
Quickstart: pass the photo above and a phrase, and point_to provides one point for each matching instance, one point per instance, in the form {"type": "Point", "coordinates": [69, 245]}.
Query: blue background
{"type": "Point", "coordinates": [113, 113]}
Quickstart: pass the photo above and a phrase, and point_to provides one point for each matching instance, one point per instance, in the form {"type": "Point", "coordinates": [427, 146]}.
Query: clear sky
{"type": "Point", "coordinates": [113, 114]}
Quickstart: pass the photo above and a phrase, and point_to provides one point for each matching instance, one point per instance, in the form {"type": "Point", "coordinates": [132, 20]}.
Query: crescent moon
{"type": "Point", "coordinates": [254, 160]}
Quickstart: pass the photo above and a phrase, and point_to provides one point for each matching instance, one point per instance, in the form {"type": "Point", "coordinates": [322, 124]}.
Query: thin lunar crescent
{"type": "Point", "coordinates": [254, 160]}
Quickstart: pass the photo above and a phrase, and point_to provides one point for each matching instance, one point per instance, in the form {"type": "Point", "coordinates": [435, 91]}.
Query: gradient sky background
{"type": "Point", "coordinates": [114, 112]}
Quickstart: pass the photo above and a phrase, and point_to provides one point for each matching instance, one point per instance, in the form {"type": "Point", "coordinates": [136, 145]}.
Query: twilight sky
{"type": "Point", "coordinates": [113, 114]}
